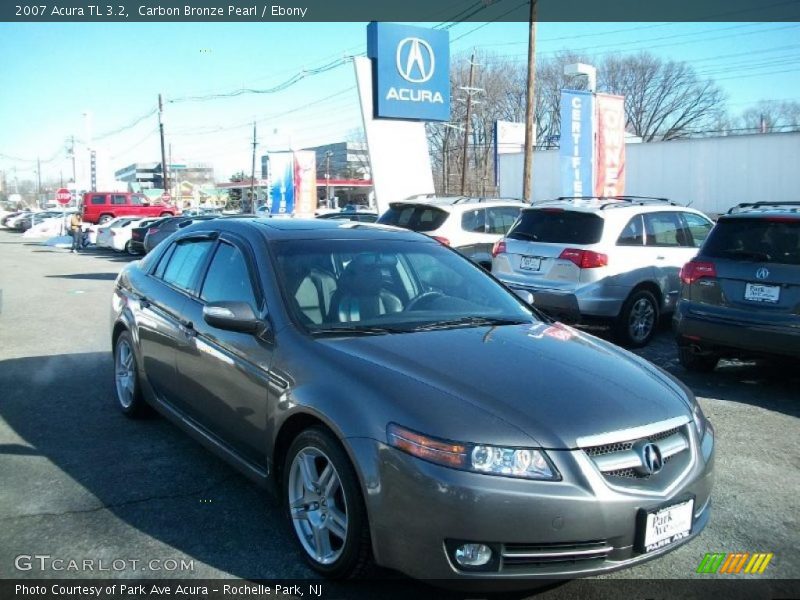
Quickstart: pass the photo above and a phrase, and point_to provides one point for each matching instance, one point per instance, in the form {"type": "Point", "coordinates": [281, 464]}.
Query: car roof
{"type": "Point", "coordinates": [749, 210]}
{"type": "Point", "coordinates": [298, 229]}
{"type": "Point", "coordinates": [606, 206]}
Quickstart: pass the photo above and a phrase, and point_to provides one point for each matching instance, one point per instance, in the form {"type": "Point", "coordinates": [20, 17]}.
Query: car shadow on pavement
{"type": "Point", "coordinates": [104, 474]}
{"type": "Point", "coordinates": [95, 276]}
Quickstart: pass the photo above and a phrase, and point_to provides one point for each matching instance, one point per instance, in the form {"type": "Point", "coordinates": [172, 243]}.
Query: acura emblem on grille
{"type": "Point", "coordinates": [652, 460]}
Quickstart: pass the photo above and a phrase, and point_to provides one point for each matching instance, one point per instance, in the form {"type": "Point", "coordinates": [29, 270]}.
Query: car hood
{"type": "Point", "coordinates": [554, 383]}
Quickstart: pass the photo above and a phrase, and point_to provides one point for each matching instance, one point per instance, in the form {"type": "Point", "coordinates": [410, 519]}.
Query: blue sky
{"type": "Point", "coordinates": [54, 73]}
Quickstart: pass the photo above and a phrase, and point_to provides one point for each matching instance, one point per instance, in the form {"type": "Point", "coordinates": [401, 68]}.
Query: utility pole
{"type": "Point", "coordinates": [444, 163]}
{"type": "Point", "coordinates": [72, 154]}
{"type": "Point", "coordinates": [530, 107]}
{"type": "Point", "coordinates": [466, 124]}
{"type": "Point", "coordinates": [164, 168]}
{"type": "Point", "coordinates": [251, 202]}
{"type": "Point", "coordinates": [38, 180]}
{"type": "Point", "coordinates": [328, 155]}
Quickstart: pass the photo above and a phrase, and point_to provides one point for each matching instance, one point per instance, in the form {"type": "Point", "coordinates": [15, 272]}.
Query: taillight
{"type": "Point", "coordinates": [694, 270]}
{"type": "Point", "coordinates": [498, 248]}
{"type": "Point", "coordinates": [441, 240]}
{"type": "Point", "coordinates": [585, 259]}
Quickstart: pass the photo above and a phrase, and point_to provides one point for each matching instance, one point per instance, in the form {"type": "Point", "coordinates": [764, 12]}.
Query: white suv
{"type": "Point", "coordinates": [469, 225]}
{"type": "Point", "coordinates": [607, 259]}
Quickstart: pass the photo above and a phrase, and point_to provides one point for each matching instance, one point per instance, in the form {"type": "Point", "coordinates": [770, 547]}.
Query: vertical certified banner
{"type": "Point", "coordinates": [577, 143]}
{"type": "Point", "coordinates": [305, 183]}
{"type": "Point", "coordinates": [281, 176]}
{"type": "Point", "coordinates": [610, 179]}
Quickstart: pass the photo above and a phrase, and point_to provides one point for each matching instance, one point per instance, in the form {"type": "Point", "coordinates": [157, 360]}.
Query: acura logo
{"type": "Point", "coordinates": [652, 461]}
{"type": "Point", "coordinates": [762, 273]}
{"type": "Point", "coordinates": [415, 60]}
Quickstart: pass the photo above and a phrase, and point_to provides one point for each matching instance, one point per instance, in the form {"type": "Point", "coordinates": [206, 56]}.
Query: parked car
{"type": "Point", "coordinates": [101, 207]}
{"type": "Point", "coordinates": [12, 222]}
{"type": "Point", "coordinates": [167, 227]}
{"type": "Point", "coordinates": [359, 216]}
{"type": "Point", "coordinates": [139, 231]}
{"type": "Point", "coordinates": [406, 407]}
{"type": "Point", "coordinates": [469, 225]}
{"type": "Point", "coordinates": [606, 260]}
{"type": "Point", "coordinates": [741, 293]}
{"type": "Point", "coordinates": [116, 234]}
{"type": "Point", "coordinates": [6, 218]}
{"type": "Point", "coordinates": [35, 218]}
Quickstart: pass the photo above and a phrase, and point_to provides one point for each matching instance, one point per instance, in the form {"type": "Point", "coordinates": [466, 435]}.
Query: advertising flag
{"type": "Point", "coordinates": [305, 183]}
{"type": "Point", "coordinates": [577, 143]}
{"type": "Point", "coordinates": [610, 180]}
{"type": "Point", "coordinates": [281, 177]}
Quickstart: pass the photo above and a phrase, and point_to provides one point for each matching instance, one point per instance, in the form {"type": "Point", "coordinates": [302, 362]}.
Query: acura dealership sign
{"type": "Point", "coordinates": [411, 71]}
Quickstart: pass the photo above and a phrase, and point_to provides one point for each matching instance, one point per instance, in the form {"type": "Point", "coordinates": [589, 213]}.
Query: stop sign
{"type": "Point", "coordinates": [63, 196]}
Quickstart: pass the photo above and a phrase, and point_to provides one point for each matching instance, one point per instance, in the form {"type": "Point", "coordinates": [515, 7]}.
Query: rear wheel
{"type": "Point", "coordinates": [105, 219]}
{"type": "Point", "coordinates": [165, 214]}
{"type": "Point", "coordinates": [697, 362]}
{"type": "Point", "coordinates": [325, 507]}
{"type": "Point", "coordinates": [126, 378]}
{"type": "Point", "coordinates": [637, 322]}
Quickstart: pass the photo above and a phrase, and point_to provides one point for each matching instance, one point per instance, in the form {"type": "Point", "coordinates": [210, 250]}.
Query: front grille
{"type": "Point", "coordinates": [515, 555]}
{"type": "Point", "coordinates": [622, 459]}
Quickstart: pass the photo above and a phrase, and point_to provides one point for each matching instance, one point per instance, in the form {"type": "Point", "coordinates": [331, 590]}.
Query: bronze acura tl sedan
{"type": "Point", "coordinates": [406, 408]}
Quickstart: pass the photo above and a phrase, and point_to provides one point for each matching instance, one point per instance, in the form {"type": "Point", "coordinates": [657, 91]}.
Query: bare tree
{"type": "Point", "coordinates": [664, 99]}
{"type": "Point", "coordinates": [769, 116]}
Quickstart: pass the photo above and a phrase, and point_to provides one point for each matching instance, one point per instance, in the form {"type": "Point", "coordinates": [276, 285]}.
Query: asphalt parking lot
{"type": "Point", "coordinates": [79, 480]}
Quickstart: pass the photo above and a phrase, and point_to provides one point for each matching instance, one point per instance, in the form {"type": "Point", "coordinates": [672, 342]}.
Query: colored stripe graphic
{"type": "Point", "coordinates": [732, 563]}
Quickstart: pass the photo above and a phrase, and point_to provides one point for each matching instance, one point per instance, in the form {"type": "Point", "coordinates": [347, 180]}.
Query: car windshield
{"type": "Point", "coordinates": [774, 240]}
{"type": "Point", "coordinates": [557, 226]}
{"type": "Point", "coordinates": [335, 287]}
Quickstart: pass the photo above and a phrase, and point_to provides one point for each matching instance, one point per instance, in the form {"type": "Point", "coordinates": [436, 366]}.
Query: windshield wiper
{"type": "Point", "coordinates": [352, 331]}
{"type": "Point", "coordinates": [521, 235]}
{"type": "Point", "coordinates": [472, 321]}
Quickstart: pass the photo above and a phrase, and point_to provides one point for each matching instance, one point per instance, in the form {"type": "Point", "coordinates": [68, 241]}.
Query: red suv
{"type": "Point", "coordinates": [99, 207]}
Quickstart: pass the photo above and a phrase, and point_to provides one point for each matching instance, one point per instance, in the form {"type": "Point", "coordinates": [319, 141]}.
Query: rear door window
{"type": "Point", "coordinates": [557, 227]}
{"type": "Point", "coordinates": [665, 229]}
{"type": "Point", "coordinates": [98, 199]}
{"type": "Point", "coordinates": [755, 240]}
{"type": "Point", "coordinates": [416, 217]}
{"type": "Point", "coordinates": [186, 262]}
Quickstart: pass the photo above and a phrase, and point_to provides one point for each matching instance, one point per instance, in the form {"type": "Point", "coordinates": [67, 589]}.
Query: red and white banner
{"type": "Point", "coordinates": [610, 151]}
{"type": "Point", "coordinates": [305, 183]}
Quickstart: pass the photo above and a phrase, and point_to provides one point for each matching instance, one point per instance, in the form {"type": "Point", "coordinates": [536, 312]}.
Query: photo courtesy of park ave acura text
{"type": "Point", "coordinates": [346, 300]}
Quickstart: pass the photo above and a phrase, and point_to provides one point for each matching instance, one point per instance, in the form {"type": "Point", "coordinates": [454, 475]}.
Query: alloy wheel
{"type": "Point", "coordinates": [125, 374]}
{"type": "Point", "coordinates": [642, 319]}
{"type": "Point", "coordinates": [318, 505]}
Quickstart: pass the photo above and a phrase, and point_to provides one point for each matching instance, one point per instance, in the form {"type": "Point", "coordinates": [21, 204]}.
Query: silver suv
{"type": "Point", "coordinates": [469, 225]}
{"type": "Point", "coordinates": [612, 260]}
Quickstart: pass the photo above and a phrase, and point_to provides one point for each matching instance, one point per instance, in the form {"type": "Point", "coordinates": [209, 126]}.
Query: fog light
{"type": "Point", "coordinates": [473, 555]}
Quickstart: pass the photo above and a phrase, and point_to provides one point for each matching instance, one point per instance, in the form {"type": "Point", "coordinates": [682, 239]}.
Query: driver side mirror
{"type": "Point", "coordinates": [232, 316]}
{"type": "Point", "coordinates": [525, 296]}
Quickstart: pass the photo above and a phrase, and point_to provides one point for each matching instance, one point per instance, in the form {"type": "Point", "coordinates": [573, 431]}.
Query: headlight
{"type": "Point", "coordinates": [525, 463]}
{"type": "Point", "coordinates": [699, 420]}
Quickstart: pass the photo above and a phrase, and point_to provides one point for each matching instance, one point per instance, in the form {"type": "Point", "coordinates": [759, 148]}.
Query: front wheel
{"type": "Point", "coordinates": [638, 320]}
{"type": "Point", "coordinates": [126, 378]}
{"type": "Point", "coordinates": [325, 506]}
{"type": "Point", "coordinates": [165, 214]}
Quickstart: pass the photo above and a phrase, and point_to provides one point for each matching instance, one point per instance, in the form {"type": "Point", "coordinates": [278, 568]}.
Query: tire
{"type": "Point", "coordinates": [127, 388]}
{"type": "Point", "coordinates": [697, 363]}
{"type": "Point", "coordinates": [165, 214]}
{"type": "Point", "coordinates": [128, 249]}
{"type": "Point", "coordinates": [346, 552]}
{"type": "Point", "coordinates": [638, 320]}
{"type": "Point", "coordinates": [104, 219]}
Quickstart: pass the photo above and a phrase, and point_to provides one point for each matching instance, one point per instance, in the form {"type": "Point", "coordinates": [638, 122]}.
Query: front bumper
{"type": "Point", "coordinates": [417, 509]}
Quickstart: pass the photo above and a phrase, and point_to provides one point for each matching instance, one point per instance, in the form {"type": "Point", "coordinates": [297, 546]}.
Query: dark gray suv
{"type": "Point", "coordinates": [408, 409]}
{"type": "Point", "coordinates": [741, 293]}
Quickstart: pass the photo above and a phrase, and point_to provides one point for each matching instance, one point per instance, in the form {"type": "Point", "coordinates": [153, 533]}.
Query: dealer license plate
{"type": "Point", "coordinates": [667, 525]}
{"type": "Point", "coordinates": [530, 263]}
{"type": "Point", "coordinates": [758, 292]}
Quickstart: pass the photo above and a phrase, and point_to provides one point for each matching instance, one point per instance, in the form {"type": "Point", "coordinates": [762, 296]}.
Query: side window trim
{"type": "Point", "coordinates": [194, 291]}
